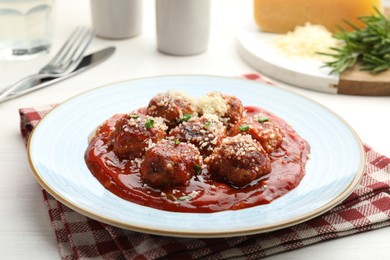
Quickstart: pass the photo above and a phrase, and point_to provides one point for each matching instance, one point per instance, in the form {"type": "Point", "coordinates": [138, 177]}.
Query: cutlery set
{"type": "Point", "coordinates": [68, 61]}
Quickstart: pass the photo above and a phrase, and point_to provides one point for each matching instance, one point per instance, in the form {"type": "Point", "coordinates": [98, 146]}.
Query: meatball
{"type": "Point", "coordinates": [228, 108]}
{"type": "Point", "coordinates": [172, 106]}
{"type": "Point", "coordinates": [239, 160]}
{"type": "Point", "coordinates": [134, 132]}
{"type": "Point", "coordinates": [204, 132]}
{"type": "Point", "coordinates": [261, 129]}
{"type": "Point", "coordinates": [170, 163]}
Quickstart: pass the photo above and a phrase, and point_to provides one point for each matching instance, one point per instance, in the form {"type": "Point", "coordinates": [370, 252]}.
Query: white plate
{"type": "Point", "coordinates": [56, 155]}
{"type": "Point", "coordinates": [259, 51]}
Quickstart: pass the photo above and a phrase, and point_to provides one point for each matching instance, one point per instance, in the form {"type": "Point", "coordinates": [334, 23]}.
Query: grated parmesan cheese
{"type": "Point", "coordinates": [306, 41]}
{"type": "Point", "coordinates": [212, 103]}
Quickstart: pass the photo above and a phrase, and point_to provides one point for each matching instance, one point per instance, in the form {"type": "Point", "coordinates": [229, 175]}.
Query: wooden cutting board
{"type": "Point", "coordinates": [357, 82]}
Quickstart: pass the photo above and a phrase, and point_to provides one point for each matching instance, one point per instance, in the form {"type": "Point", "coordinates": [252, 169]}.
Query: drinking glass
{"type": "Point", "coordinates": [25, 28]}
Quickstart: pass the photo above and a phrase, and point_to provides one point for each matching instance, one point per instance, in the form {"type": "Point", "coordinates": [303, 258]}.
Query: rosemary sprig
{"type": "Point", "coordinates": [369, 46]}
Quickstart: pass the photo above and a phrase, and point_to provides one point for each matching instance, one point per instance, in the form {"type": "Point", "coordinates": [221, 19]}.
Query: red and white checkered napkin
{"type": "Point", "coordinates": [367, 208]}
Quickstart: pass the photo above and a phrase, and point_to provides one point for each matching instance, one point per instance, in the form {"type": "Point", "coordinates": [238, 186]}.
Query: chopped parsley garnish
{"type": "Point", "coordinates": [176, 141]}
{"type": "Point", "coordinates": [184, 198]}
{"type": "Point", "coordinates": [171, 197]}
{"type": "Point", "coordinates": [149, 123]}
{"type": "Point", "coordinates": [207, 124]}
{"type": "Point", "coordinates": [243, 128]}
{"type": "Point", "coordinates": [262, 119]}
{"type": "Point", "coordinates": [134, 116]}
{"type": "Point", "coordinates": [186, 117]}
{"type": "Point", "coordinates": [197, 169]}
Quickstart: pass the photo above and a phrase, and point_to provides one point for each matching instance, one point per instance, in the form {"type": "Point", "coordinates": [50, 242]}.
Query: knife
{"type": "Point", "coordinates": [36, 83]}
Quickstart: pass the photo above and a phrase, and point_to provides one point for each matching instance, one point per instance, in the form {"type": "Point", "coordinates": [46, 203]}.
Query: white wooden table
{"type": "Point", "coordinates": [25, 229]}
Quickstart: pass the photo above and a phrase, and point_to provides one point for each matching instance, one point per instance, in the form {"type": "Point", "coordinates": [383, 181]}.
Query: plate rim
{"type": "Point", "coordinates": [202, 233]}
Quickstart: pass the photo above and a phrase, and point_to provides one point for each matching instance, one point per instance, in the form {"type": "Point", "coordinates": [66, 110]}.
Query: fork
{"type": "Point", "coordinates": [65, 61]}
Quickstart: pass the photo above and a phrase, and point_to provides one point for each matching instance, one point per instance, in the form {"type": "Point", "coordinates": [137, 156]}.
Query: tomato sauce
{"type": "Point", "coordinates": [203, 194]}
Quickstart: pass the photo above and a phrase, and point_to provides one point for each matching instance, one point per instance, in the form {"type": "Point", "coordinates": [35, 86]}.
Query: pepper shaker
{"type": "Point", "coordinates": [182, 26]}
{"type": "Point", "coordinates": [118, 19]}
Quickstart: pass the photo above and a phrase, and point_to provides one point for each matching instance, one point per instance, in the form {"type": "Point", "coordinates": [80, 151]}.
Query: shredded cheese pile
{"type": "Point", "coordinates": [306, 41]}
{"type": "Point", "coordinates": [212, 104]}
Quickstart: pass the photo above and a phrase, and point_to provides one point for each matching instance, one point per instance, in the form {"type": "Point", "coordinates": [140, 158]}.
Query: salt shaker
{"type": "Point", "coordinates": [182, 26]}
{"type": "Point", "coordinates": [118, 19]}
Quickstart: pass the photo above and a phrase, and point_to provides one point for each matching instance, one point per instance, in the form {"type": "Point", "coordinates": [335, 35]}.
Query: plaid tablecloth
{"type": "Point", "coordinates": [79, 237]}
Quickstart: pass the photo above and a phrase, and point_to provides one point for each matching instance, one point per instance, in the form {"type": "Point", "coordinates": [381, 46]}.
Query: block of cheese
{"type": "Point", "coordinates": [281, 16]}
